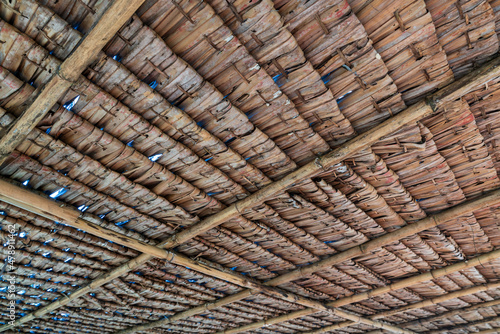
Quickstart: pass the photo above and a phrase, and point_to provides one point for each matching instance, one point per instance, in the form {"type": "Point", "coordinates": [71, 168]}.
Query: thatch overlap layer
{"type": "Point", "coordinates": [195, 105]}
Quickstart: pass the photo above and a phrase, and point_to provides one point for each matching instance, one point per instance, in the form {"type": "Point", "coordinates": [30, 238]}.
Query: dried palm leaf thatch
{"type": "Point", "coordinates": [284, 60]}
{"type": "Point", "coordinates": [466, 30]}
{"type": "Point", "coordinates": [189, 131]}
{"type": "Point", "coordinates": [404, 35]}
{"type": "Point", "coordinates": [356, 75]}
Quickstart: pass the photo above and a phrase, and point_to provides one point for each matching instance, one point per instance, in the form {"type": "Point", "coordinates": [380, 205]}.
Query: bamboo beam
{"type": "Point", "coordinates": [426, 303]}
{"type": "Point", "coordinates": [439, 299]}
{"type": "Point", "coordinates": [485, 321]}
{"type": "Point", "coordinates": [464, 208]}
{"type": "Point", "coordinates": [243, 294]}
{"type": "Point", "coordinates": [488, 200]}
{"type": "Point", "coordinates": [114, 17]}
{"type": "Point", "coordinates": [452, 313]}
{"type": "Point", "coordinates": [50, 209]}
{"type": "Point", "coordinates": [486, 331]}
{"type": "Point", "coordinates": [409, 116]}
{"type": "Point", "coordinates": [433, 274]}
{"type": "Point", "coordinates": [489, 331]}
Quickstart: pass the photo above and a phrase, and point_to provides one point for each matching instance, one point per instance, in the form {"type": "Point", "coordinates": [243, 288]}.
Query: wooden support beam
{"type": "Point", "coordinates": [406, 117]}
{"type": "Point", "coordinates": [482, 322]}
{"type": "Point", "coordinates": [246, 293]}
{"type": "Point", "coordinates": [426, 303]}
{"type": "Point", "coordinates": [50, 209]}
{"type": "Point", "coordinates": [114, 17]}
{"type": "Point", "coordinates": [451, 313]}
{"type": "Point", "coordinates": [409, 116]}
{"type": "Point", "coordinates": [404, 283]}
{"type": "Point", "coordinates": [436, 300]}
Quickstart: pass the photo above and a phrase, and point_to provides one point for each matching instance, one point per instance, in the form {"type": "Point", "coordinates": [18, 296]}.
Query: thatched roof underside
{"type": "Point", "coordinates": [193, 106]}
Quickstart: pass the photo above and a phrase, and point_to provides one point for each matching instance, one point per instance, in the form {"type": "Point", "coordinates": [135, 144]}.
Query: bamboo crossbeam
{"type": "Point", "coordinates": [50, 209]}
{"type": "Point", "coordinates": [486, 331]}
{"type": "Point", "coordinates": [485, 321]}
{"type": "Point", "coordinates": [246, 293]}
{"type": "Point", "coordinates": [433, 274]}
{"type": "Point", "coordinates": [409, 116]}
{"type": "Point", "coordinates": [406, 231]}
{"type": "Point", "coordinates": [113, 18]}
{"type": "Point", "coordinates": [451, 313]}
{"type": "Point", "coordinates": [489, 331]}
{"type": "Point", "coordinates": [422, 225]}
{"type": "Point", "coordinates": [439, 299]}
{"type": "Point", "coordinates": [426, 303]}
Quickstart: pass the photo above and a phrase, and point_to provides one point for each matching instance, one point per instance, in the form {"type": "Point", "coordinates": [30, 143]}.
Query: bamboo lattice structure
{"type": "Point", "coordinates": [286, 166]}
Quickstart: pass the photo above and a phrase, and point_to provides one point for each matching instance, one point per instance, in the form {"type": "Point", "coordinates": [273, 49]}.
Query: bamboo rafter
{"type": "Point", "coordinates": [427, 303]}
{"type": "Point", "coordinates": [69, 71]}
{"type": "Point", "coordinates": [49, 209]}
{"type": "Point", "coordinates": [451, 92]}
{"type": "Point", "coordinates": [453, 158]}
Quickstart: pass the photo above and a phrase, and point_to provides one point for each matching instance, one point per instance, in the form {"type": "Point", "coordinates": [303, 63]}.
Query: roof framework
{"type": "Point", "coordinates": [265, 167]}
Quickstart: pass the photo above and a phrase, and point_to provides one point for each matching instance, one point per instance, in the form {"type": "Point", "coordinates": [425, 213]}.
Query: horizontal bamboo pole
{"type": "Point", "coordinates": [490, 199]}
{"type": "Point", "coordinates": [486, 331]}
{"type": "Point", "coordinates": [485, 201]}
{"type": "Point", "coordinates": [404, 283]}
{"type": "Point", "coordinates": [409, 116]}
{"type": "Point", "coordinates": [430, 275]}
{"type": "Point", "coordinates": [452, 313]}
{"type": "Point", "coordinates": [426, 303]}
{"type": "Point", "coordinates": [246, 293]}
{"type": "Point", "coordinates": [114, 17]}
{"type": "Point", "coordinates": [489, 331]}
{"type": "Point", "coordinates": [436, 300]}
{"type": "Point", "coordinates": [50, 209]}
{"type": "Point", "coordinates": [485, 321]}
{"type": "Point", "coordinates": [406, 117]}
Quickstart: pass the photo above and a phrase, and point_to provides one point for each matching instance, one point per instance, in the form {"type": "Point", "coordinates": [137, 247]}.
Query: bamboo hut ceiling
{"type": "Point", "coordinates": [159, 138]}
